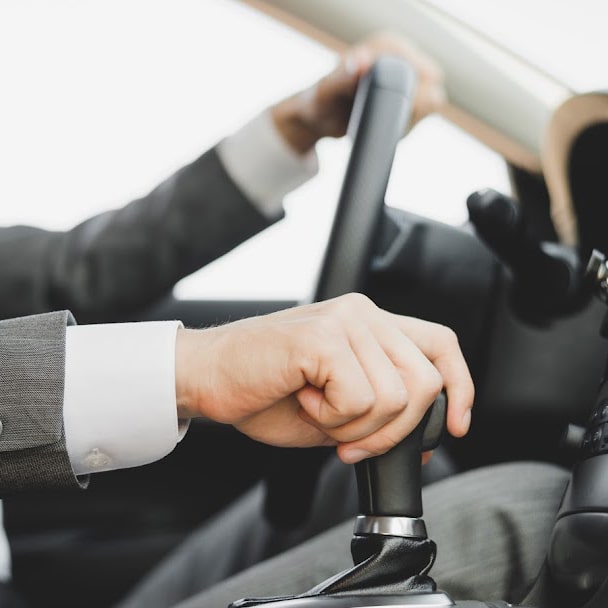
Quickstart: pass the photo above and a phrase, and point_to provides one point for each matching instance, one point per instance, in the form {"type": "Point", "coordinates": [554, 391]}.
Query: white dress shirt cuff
{"type": "Point", "coordinates": [119, 398]}
{"type": "Point", "coordinates": [263, 165]}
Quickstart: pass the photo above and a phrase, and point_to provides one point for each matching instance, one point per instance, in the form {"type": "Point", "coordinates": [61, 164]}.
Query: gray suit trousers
{"type": "Point", "coordinates": [491, 526]}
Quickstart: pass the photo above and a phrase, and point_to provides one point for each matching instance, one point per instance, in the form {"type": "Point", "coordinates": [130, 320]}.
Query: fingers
{"type": "Point", "coordinates": [387, 396]}
{"type": "Point", "coordinates": [406, 363]}
{"type": "Point", "coordinates": [388, 378]}
{"type": "Point", "coordinates": [347, 393]}
{"type": "Point", "coordinates": [357, 61]}
{"type": "Point", "coordinates": [324, 109]}
{"type": "Point", "coordinates": [430, 92]}
{"type": "Point", "coordinates": [440, 345]}
{"type": "Point", "coordinates": [430, 97]}
{"type": "Point", "coordinates": [423, 383]}
{"type": "Point", "coordinates": [280, 425]}
{"type": "Point", "coordinates": [353, 64]}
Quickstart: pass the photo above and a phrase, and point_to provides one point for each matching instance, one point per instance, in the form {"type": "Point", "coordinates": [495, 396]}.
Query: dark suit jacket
{"type": "Point", "coordinates": [107, 266]}
{"type": "Point", "coordinates": [122, 260]}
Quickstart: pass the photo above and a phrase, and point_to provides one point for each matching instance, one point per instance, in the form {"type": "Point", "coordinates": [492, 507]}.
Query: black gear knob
{"type": "Point", "coordinates": [390, 485]}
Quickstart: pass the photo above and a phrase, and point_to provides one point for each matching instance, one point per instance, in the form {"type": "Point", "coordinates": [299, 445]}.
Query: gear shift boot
{"type": "Point", "coordinates": [384, 565]}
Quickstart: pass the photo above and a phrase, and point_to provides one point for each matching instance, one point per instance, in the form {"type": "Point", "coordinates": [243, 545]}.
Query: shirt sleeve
{"type": "Point", "coordinates": [119, 398]}
{"type": "Point", "coordinates": [263, 165]}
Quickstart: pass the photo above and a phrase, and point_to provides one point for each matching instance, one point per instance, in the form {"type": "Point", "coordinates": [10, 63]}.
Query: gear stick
{"type": "Point", "coordinates": [391, 551]}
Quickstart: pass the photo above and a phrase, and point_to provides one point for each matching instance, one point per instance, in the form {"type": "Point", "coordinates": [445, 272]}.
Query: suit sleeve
{"type": "Point", "coordinates": [32, 439]}
{"type": "Point", "coordinates": [119, 261]}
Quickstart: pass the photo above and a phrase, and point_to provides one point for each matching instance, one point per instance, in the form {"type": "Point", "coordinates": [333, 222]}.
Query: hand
{"type": "Point", "coordinates": [324, 109]}
{"type": "Point", "coordinates": [341, 372]}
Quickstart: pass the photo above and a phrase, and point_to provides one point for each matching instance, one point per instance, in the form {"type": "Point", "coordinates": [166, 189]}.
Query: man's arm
{"type": "Point", "coordinates": [341, 372]}
{"type": "Point", "coordinates": [121, 260]}
{"type": "Point", "coordinates": [124, 259]}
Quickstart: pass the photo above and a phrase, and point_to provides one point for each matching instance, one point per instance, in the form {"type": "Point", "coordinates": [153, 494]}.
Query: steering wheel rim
{"type": "Point", "coordinates": [380, 114]}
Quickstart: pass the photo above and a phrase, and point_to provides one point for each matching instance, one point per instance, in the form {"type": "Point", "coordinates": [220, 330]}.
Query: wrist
{"type": "Point", "coordinates": [186, 389]}
{"type": "Point", "coordinates": [292, 122]}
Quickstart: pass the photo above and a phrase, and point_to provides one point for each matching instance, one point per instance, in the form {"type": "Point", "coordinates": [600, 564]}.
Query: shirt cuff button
{"type": "Point", "coordinates": [96, 459]}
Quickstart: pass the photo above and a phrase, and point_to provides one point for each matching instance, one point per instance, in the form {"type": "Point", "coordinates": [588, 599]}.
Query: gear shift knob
{"type": "Point", "coordinates": [390, 485]}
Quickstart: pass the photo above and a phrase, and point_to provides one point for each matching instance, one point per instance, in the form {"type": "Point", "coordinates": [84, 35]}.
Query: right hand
{"type": "Point", "coordinates": [341, 372]}
{"type": "Point", "coordinates": [324, 109]}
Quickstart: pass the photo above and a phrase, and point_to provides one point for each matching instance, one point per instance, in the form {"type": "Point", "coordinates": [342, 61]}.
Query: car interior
{"type": "Point", "coordinates": [514, 282]}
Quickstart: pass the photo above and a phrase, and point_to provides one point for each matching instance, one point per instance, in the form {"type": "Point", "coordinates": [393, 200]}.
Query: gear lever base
{"type": "Point", "coordinates": [424, 600]}
{"type": "Point", "coordinates": [415, 600]}
{"type": "Point", "coordinates": [383, 565]}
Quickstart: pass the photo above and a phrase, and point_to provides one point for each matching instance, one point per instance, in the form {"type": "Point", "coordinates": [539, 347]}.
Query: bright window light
{"type": "Point", "coordinates": [102, 99]}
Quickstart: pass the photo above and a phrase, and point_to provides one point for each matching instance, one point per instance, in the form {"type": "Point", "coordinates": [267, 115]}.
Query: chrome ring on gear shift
{"type": "Point", "coordinates": [407, 527]}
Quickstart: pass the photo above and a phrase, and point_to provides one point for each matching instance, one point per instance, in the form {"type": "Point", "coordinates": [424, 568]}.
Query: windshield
{"type": "Point", "coordinates": [566, 39]}
{"type": "Point", "coordinates": [104, 99]}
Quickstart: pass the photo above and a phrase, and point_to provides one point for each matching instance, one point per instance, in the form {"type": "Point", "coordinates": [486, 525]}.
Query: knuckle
{"type": "Point", "coordinates": [394, 402]}
{"type": "Point", "coordinates": [356, 301]}
{"type": "Point", "coordinates": [359, 298]}
{"type": "Point", "coordinates": [363, 403]}
{"type": "Point", "coordinates": [401, 398]}
{"type": "Point", "coordinates": [316, 345]}
{"type": "Point", "coordinates": [351, 407]}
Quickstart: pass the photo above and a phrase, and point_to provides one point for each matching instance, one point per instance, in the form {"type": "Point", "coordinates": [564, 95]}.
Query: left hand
{"type": "Point", "coordinates": [324, 109]}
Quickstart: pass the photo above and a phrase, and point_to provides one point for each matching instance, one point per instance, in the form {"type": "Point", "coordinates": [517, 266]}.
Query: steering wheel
{"type": "Point", "coordinates": [380, 114]}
